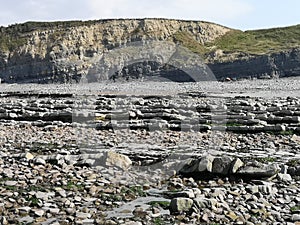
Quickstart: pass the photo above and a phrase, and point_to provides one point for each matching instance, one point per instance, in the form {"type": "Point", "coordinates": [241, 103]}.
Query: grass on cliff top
{"type": "Point", "coordinates": [259, 41]}
{"type": "Point", "coordinates": [188, 42]}
{"type": "Point", "coordinates": [10, 43]}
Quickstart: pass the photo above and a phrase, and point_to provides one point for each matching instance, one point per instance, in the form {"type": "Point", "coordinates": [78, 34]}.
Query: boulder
{"type": "Point", "coordinates": [221, 165]}
{"type": "Point", "coordinates": [210, 166]}
{"type": "Point", "coordinates": [206, 163]}
{"type": "Point", "coordinates": [258, 170]}
{"type": "Point", "coordinates": [180, 205]}
{"type": "Point", "coordinates": [203, 164]}
{"type": "Point", "coordinates": [235, 165]}
{"type": "Point", "coordinates": [284, 177]}
{"type": "Point", "coordinates": [117, 160]}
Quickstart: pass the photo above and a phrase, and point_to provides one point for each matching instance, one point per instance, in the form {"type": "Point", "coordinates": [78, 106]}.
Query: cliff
{"type": "Point", "coordinates": [66, 51]}
{"type": "Point", "coordinates": [275, 65]}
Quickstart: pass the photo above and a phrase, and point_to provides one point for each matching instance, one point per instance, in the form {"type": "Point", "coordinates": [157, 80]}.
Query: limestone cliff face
{"type": "Point", "coordinates": [281, 64]}
{"type": "Point", "coordinates": [68, 51]}
{"type": "Point", "coordinates": [65, 53]}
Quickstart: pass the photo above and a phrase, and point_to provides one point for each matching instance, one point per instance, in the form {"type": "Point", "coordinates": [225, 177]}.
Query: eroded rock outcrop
{"type": "Point", "coordinates": [282, 64]}
{"type": "Point", "coordinates": [65, 52]}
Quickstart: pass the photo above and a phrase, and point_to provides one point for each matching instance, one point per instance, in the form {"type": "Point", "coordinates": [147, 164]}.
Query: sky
{"type": "Point", "coordinates": [239, 14]}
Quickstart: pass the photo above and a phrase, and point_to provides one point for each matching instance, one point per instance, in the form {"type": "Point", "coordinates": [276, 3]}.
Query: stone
{"type": "Point", "coordinates": [54, 210]}
{"type": "Point", "coordinates": [86, 162]}
{"type": "Point", "coordinates": [295, 138]}
{"type": "Point", "coordinates": [252, 189]}
{"type": "Point", "coordinates": [202, 203]}
{"type": "Point", "coordinates": [190, 166]}
{"type": "Point", "coordinates": [205, 217]}
{"type": "Point", "coordinates": [82, 215]}
{"type": "Point", "coordinates": [25, 209]}
{"type": "Point", "coordinates": [221, 165]}
{"type": "Point", "coordinates": [118, 160]}
{"type": "Point", "coordinates": [180, 205]}
{"type": "Point", "coordinates": [232, 215]}
{"type": "Point", "coordinates": [39, 161]}
{"type": "Point", "coordinates": [38, 212]}
{"type": "Point", "coordinates": [26, 220]}
{"type": "Point", "coordinates": [203, 164]}
{"type": "Point", "coordinates": [10, 183]}
{"type": "Point", "coordinates": [88, 221]}
{"type": "Point", "coordinates": [258, 171]}
{"type": "Point", "coordinates": [29, 156]}
{"type": "Point", "coordinates": [267, 189]}
{"type": "Point", "coordinates": [44, 195]}
{"type": "Point", "coordinates": [62, 193]}
{"type": "Point", "coordinates": [133, 223]}
{"type": "Point", "coordinates": [295, 217]}
{"type": "Point", "coordinates": [236, 164]}
{"type": "Point", "coordinates": [206, 164]}
{"type": "Point", "coordinates": [197, 192]}
{"type": "Point", "coordinates": [139, 212]}
{"type": "Point", "coordinates": [3, 220]}
{"type": "Point", "coordinates": [51, 221]}
{"type": "Point", "coordinates": [284, 177]}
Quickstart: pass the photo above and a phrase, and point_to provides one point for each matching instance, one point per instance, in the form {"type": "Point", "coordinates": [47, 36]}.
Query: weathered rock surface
{"type": "Point", "coordinates": [282, 64]}
{"type": "Point", "coordinates": [181, 204]}
{"type": "Point", "coordinates": [56, 172]}
{"type": "Point", "coordinates": [65, 52]}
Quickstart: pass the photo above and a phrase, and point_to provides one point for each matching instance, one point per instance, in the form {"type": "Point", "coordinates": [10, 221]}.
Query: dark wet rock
{"type": "Point", "coordinates": [222, 165]}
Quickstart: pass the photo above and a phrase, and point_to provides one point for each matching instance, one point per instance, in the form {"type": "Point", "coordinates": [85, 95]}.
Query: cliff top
{"type": "Point", "coordinates": [215, 41]}
{"type": "Point", "coordinates": [259, 41]}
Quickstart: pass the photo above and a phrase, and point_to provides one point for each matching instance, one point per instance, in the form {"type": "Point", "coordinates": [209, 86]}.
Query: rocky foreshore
{"type": "Point", "coordinates": [171, 154]}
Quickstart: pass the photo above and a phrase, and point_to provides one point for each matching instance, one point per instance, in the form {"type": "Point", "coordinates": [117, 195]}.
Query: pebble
{"type": "Point", "coordinates": [296, 217]}
{"type": "Point", "coordinates": [38, 212]}
{"type": "Point", "coordinates": [46, 176]}
{"type": "Point", "coordinates": [10, 183]}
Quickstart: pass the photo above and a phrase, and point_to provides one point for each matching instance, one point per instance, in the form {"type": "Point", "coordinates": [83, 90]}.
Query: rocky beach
{"type": "Point", "coordinates": [150, 153]}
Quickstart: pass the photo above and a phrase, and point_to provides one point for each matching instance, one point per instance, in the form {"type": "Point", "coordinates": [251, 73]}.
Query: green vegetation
{"type": "Point", "coordinates": [9, 42]}
{"type": "Point", "coordinates": [266, 159]}
{"type": "Point", "coordinates": [33, 26]}
{"type": "Point", "coordinates": [293, 162]}
{"type": "Point", "coordinates": [188, 42]}
{"type": "Point", "coordinates": [14, 36]}
{"type": "Point", "coordinates": [134, 190]}
{"type": "Point", "coordinates": [158, 221]}
{"type": "Point", "coordinates": [287, 132]}
{"type": "Point", "coordinates": [33, 201]}
{"type": "Point", "coordinates": [259, 41]}
{"type": "Point", "coordinates": [162, 204]}
{"type": "Point", "coordinates": [295, 208]}
{"type": "Point", "coordinates": [71, 185]}
{"type": "Point", "coordinates": [234, 124]}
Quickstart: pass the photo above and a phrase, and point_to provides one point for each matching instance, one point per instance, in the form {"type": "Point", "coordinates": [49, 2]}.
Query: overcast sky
{"type": "Point", "coordinates": [241, 14]}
